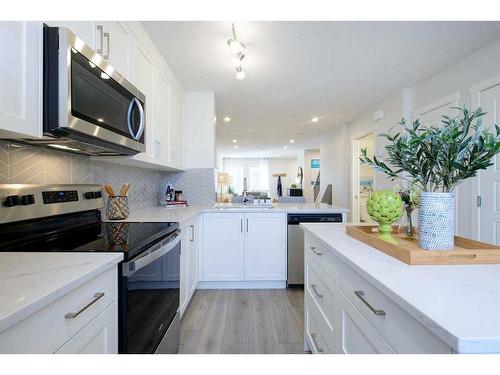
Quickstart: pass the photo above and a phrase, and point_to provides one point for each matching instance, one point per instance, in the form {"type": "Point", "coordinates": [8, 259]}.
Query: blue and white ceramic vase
{"type": "Point", "coordinates": [436, 221]}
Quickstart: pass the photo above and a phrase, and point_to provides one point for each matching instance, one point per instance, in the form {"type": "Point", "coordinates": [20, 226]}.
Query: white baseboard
{"type": "Point", "coordinates": [242, 285]}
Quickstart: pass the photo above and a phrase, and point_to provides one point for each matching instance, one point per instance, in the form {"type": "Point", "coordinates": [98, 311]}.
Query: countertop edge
{"type": "Point", "coordinates": [464, 345]}
{"type": "Point", "coordinates": [24, 312]}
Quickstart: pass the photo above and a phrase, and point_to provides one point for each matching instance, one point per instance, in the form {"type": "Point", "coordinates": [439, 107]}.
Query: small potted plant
{"type": "Point", "coordinates": [436, 159]}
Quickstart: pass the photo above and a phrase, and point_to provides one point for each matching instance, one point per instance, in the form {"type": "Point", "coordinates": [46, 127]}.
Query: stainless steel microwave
{"type": "Point", "coordinates": [88, 107]}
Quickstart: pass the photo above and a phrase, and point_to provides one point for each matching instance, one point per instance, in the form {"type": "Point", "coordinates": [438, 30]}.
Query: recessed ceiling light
{"type": "Point", "coordinates": [227, 119]}
{"type": "Point", "coordinates": [292, 140]}
{"type": "Point", "coordinates": [315, 119]}
{"type": "Point", "coordinates": [235, 140]}
{"type": "Point", "coordinates": [285, 147]}
{"type": "Point", "coordinates": [236, 147]}
{"type": "Point", "coordinates": [215, 119]}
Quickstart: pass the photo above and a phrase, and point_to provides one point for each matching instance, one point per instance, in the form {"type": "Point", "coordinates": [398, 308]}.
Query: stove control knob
{"type": "Point", "coordinates": [27, 199]}
{"type": "Point", "coordinates": [88, 195]}
{"type": "Point", "coordinates": [12, 200]}
{"type": "Point", "coordinates": [98, 194]}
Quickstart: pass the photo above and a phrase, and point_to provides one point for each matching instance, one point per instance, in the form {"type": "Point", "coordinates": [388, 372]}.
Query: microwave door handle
{"type": "Point", "coordinates": [141, 124]}
{"type": "Point", "coordinates": [129, 268]}
{"type": "Point", "coordinates": [137, 135]}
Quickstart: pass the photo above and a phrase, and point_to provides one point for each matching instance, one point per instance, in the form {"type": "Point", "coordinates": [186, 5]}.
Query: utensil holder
{"type": "Point", "coordinates": [117, 208]}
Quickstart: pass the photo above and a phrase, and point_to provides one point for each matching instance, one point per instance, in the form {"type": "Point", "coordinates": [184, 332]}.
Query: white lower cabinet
{"type": "Point", "coordinates": [82, 321]}
{"type": "Point", "coordinates": [344, 313]}
{"type": "Point", "coordinates": [97, 337]}
{"type": "Point", "coordinates": [243, 246]}
{"type": "Point", "coordinates": [189, 263]}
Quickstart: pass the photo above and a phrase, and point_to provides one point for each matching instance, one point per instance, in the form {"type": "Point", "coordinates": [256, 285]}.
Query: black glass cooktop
{"type": "Point", "coordinates": [74, 234]}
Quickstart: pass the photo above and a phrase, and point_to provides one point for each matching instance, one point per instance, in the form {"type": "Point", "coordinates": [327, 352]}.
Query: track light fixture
{"type": "Point", "coordinates": [238, 50]}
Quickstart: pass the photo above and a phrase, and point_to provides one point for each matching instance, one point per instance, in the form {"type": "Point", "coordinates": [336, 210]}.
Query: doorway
{"type": "Point", "coordinates": [362, 178]}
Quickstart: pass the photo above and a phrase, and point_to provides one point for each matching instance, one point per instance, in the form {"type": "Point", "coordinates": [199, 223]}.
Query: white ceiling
{"type": "Point", "coordinates": [297, 70]}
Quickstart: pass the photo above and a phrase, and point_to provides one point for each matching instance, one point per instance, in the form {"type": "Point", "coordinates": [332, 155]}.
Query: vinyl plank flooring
{"type": "Point", "coordinates": [212, 333]}
{"type": "Point", "coordinates": [195, 315]}
{"type": "Point", "coordinates": [244, 321]}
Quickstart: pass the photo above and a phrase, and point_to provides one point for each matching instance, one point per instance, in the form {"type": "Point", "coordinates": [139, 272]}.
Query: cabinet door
{"type": "Point", "coordinates": [184, 272]}
{"type": "Point", "coordinates": [265, 246]}
{"type": "Point", "coordinates": [161, 108]}
{"type": "Point", "coordinates": [357, 335]}
{"type": "Point", "coordinates": [192, 256]}
{"type": "Point", "coordinates": [223, 247]}
{"type": "Point", "coordinates": [100, 336]}
{"type": "Point", "coordinates": [176, 124]}
{"type": "Point", "coordinates": [20, 79]}
{"type": "Point", "coordinates": [142, 78]}
{"type": "Point", "coordinates": [112, 41]}
{"type": "Point", "coordinates": [83, 29]}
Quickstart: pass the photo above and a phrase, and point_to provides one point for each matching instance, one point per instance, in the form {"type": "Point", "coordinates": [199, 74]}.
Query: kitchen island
{"type": "Point", "coordinates": [399, 308]}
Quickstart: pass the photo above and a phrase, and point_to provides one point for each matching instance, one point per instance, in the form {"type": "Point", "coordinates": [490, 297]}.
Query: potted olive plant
{"type": "Point", "coordinates": [436, 159]}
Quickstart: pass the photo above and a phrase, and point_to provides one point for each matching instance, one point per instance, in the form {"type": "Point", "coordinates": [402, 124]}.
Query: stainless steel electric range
{"type": "Point", "coordinates": [67, 218]}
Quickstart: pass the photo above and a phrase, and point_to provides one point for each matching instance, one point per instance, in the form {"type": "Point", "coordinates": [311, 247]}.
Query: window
{"type": "Point", "coordinates": [255, 170]}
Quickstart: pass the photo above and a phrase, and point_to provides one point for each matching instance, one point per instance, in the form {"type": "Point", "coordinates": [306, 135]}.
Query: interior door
{"type": "Point", "coordinates": [265, 246]}
{"type": "Point", "coordinates": [487, 225]}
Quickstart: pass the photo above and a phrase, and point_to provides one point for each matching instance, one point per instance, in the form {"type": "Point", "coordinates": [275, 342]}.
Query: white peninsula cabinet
{"type": "Point", "coordinates": [189, 262]}
{"type": "Point", "coordinates": [244, 249]}
{"type": "Point", "coordinates": [84, 320]}
{"type": "Point", "coordinates": [345, 313]}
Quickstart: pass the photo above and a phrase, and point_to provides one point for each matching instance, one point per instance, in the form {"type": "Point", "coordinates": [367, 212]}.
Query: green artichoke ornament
{"type": "Point", "coordinates": [385, 207]}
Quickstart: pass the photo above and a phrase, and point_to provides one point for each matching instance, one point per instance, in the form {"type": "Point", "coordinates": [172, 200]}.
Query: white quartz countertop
{"type": "Point", "coordinates": [31, 281]}
{"type": "Point", "coordinates": [458, 303]}
{"type": "Point", "coordinates": [181, 214]}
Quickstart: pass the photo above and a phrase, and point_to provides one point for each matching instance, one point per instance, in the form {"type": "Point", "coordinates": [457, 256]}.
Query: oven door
{"type": "Point", "coordinates": [91, 99]}
{"type": "Point", "coordinates": [149, 298]}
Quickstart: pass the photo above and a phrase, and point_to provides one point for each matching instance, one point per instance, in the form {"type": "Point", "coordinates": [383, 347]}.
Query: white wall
{"type": "Point", "coordinates": [479, 66]}
{"type": "Point", "coordinates": [199, 130]}
{"type": "Point", "coordinates": [281, 165]}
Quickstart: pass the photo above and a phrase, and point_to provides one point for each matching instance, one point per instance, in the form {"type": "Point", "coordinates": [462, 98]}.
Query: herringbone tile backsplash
{"type": "Point", "coordinates": [22, 164]}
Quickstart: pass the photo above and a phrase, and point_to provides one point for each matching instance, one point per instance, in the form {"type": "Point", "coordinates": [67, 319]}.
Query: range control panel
{"type": "Point", "coordinates": [23, 202]}
{"type": "Point", "coordinates": [50, 197]}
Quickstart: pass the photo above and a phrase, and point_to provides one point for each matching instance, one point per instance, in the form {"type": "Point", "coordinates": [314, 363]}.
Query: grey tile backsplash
{"type": "Point", "coordinates": [24, 164]}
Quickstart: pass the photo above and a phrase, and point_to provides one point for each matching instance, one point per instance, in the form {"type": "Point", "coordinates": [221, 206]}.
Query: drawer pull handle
{"type": "Point", "coordinates": [316, 251]}
{"type": "Point", "coordinates": [361, 295]}
{"type": "Point", "coordinates": [97, 297]}
{"type": "Point", "coordinates": [318, 348]}
{"type": "Point", "coordinates": [313, 287]}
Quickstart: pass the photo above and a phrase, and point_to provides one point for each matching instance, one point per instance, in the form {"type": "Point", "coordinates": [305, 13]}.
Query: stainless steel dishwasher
{"type": "Point", "coordinates": [296, 242]}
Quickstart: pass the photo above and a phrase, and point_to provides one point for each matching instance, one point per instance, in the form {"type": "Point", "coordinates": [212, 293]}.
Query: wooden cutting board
{"type": "Point", "coordinates": [465, 251]}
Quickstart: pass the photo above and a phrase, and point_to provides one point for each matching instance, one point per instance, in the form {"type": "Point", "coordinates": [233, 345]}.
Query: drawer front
{"type": "Point", "coordinates": [320, 293]}
{"type": "Point", "coordinates": [319, 335]}
{"type": "Point", "coordinates": [357, 335]}
{"type": "Point", "coordinates": [48, 329]}
{"type": "Point", "coordinates": [321, 255]}
{"type": "Point", "coordinates": [401, 330]}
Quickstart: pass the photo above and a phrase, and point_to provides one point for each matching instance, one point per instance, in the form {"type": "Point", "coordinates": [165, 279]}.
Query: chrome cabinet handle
{"type": "Point", "coordinates": [247, 225]}
{"type": "Point", "coordinates": [315, 251]}
{"type": "Point", "coordinates": [192, 233]}
{"type": "Point", "coordinates": [106, 55]}
{"type": "Point", "coordinates": [313, 287]}
{"type": "Point", "coordinates": [361, 295]}
{"type": "Point", "coordinates": [97, 297]}
{"type": "Point", "coordinates": [101, 31]}
{"type": "Point", "coordinates": [313, 336]}
{"type": "Point", "coordinates": [241, 225]}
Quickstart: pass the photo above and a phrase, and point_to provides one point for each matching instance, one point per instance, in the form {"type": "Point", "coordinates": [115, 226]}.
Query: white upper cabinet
{"type": "Point", "coordinates": [142, 78]}
{"type": "Point", "coordinates": [112, 40]}
{"type": "Point", "coordinates": [176, 130]}
{"type": "Point", "coordinates": [20, 79]}
{"type": "Point", "coordinates": [83, 29]}
{"type": "Point", "coordinates": [161, 107]}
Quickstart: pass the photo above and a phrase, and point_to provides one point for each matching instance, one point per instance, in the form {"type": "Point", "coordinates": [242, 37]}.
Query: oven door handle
{"type": "Point", "coordinates": [129, 268]}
